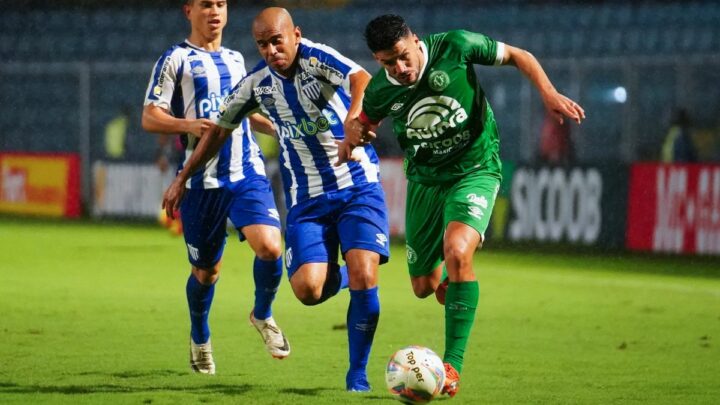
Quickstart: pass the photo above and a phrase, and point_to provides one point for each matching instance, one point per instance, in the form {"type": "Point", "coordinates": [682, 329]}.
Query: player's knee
{"type": "Point", "coordinates": [308, 295]}
{"type": "Point", "coordinates": [457, 255]}
{"type": "Point", "coordinates": [206, 276]}
{"type": "Point", "coordinates": [362, 280]}
{"type": "Point", "coordinates": [269, 250]}
{"type": "Point", "coordinates": [422, 288]}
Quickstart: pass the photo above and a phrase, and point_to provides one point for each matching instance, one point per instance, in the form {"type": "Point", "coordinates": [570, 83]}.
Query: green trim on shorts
{"type": "Point", "coordinates": [429, 209]}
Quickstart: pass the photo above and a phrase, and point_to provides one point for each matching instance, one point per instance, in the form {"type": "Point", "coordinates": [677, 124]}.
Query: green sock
{"type": "Point", "coordinates": [460, 305]}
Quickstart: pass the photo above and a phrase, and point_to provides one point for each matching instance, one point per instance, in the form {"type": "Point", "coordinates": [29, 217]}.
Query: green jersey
{"type": "Point", "coordinates": [443, 121]}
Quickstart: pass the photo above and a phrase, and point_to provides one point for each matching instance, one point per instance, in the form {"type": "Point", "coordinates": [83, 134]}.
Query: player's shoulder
{"type": "Point", "coordinates": [235, 55]}
{"type": "Point", "coordinates": [452, 38]}
{"type": "Point", "coordinates": [309, 48]}
{"type": "Point", "coordinates": [176, 52]}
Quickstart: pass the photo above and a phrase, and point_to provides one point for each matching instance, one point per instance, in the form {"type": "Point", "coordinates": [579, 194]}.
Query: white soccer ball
{"type": "Point", "coordinates": [415, 375]}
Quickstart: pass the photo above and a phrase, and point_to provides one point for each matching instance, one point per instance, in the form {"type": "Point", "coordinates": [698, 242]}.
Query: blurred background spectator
{"type": "Point", "coordinates": [679, 146]}
{"type": "Point", "coordinates": [556, 146]}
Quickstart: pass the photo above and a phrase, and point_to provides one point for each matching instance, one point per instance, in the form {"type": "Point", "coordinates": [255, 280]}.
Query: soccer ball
{"type": "Point", "coordinates": [415, 375]}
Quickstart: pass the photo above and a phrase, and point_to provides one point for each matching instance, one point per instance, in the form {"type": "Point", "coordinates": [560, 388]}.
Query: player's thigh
{"type": "Point", "coordinates": [204, 216]}
{"type": "Point", "coordinates": [363, 223]}
{"type": "Point", "coordinates": [471, 200]}
{"type": "Point", "coordinates": [253, 204]}
{"type": "Point", "coordinates": [309, 237]}
{"type": "Point", "coordinates": [424, 227]}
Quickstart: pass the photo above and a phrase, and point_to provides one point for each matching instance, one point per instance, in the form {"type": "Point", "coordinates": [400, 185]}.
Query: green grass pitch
{"type": "Point", "coordinates": [94, 313]}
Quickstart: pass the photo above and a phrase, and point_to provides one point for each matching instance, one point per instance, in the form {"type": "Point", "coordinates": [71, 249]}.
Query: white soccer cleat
{"type": "Point", "coordinates": [275, 341]}
{"type": "Point", "coordinates": [201, 358]}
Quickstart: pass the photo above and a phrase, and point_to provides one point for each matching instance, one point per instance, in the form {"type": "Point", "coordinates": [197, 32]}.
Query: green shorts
{"type": "Point", "coordinates": [429, 209]}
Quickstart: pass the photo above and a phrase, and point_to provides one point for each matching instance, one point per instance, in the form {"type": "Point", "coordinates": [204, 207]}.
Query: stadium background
{"type": "Point", "coordinates": [67, 68]}
{"type": "Point", "coordinates": [70, 67]}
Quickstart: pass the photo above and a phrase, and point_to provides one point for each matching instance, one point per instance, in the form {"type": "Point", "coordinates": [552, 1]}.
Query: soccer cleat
{"type": "Point", "coordinates": [452, 380]}
{"type": "Point", "coordinates": [201, 358]}
{"type": "Point", "coordinates": [356, 382]}
{"type": "Point", "coordinates": [441, 291]}
{"type": "Point", "coordinates": [274, 339]}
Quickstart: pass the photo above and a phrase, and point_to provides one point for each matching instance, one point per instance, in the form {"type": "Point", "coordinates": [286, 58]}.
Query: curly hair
{"type": "Point", "coordinates": [383, 32]}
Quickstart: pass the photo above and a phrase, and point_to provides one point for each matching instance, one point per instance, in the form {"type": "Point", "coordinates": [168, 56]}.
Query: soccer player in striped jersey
{"type": "Point", "coordinates": [309, 91]}
{"type": "Point", "coordinates": [446, 126]}
{"type": "Point", "coordinates": [186, 89]}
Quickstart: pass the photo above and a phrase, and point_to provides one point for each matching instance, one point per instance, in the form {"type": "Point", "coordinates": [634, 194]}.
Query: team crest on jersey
{"type": "Point", "coordinates": [268, 101]}
{"type": "Point", "coordinates": [411, 255]}
{"type": "Point", "coordinates": [438, 80]}
{"type": "Point", "coordinates": [311, 89]}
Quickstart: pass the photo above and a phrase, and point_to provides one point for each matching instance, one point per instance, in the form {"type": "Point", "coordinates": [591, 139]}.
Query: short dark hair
{"type": "Point", "coordinates": [384, 32]}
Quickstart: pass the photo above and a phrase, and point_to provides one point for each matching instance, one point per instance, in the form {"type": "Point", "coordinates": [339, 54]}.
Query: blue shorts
{"type": "Point", "coordinates": [205, 213]}
{"type": "Point", "coordinates": [352, 218]}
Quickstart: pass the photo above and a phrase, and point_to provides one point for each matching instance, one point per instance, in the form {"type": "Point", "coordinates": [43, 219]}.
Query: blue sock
{"type": "Point", "coordinates": [199, 300]}
{"type": "Point", "coordinates": [362, 319]}
{"type": "Point", "coordinates": [267, 275]}
{"type": "Point", "coordinates": [337, 279]}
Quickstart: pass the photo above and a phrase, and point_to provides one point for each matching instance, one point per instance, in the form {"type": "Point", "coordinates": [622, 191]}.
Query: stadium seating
{"type": "Point", "coordinates": [551, 32]}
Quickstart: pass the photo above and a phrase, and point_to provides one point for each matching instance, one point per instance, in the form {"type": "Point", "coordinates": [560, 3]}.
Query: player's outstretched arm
{"type": "Point", "coordinates": [208, 147]}
{"type": "Point", "coordinates": [558, 104]}
{"type": "Point", "coordinates": [158, 121]}
{"type": "Point", "coordinates": [261, 125]}
{"type": "Point", "coordinates": [357, 132]}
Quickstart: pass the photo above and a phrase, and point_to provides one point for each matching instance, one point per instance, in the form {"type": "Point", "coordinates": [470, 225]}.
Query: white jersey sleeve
{"type": "Point", "coordinates": [163, 80]}
{"type": "Point", "coordinates": [325, 62]}
{"type": "Point", "coordinates": [238, 104]}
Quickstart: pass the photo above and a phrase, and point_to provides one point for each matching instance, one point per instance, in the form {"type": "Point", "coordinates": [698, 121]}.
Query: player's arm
{"type": "Point", "coordinates": [358, 129]}
{"type": "Point", "coordinates": [261, 124]}
{"type": "Point", "coordinates": [208, 147]}
{"type": "Point", "coordinates": [157, 120]}
{"type": "Point", "coordinates": [558, 104]}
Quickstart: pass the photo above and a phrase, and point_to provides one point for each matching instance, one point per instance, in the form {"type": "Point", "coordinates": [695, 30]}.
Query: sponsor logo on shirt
{"type": "Point", "coordinates": [431, 118]}
{"type": "Point", "coordinates": [308, 127]}
{"type": "Point", "coordinates": [213, 103]}
{"type": "Point", "coordinates": [481, 200]}
{"type": "Point", "coordinates": [319, 65]}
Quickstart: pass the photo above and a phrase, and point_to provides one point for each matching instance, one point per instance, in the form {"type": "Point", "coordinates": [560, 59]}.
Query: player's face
{"type": "Point", "coordinates": [403, 61]}
{"type": "Point", "coordinates": [208, 17]}
{"type": "Point", "coordinates": [278, 44]}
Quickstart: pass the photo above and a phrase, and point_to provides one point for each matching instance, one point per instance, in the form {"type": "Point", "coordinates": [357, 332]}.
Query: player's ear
{"type": "Point", "coordinates": [298, 35]}
{"type": "Point", "coordinates": [187, 6]}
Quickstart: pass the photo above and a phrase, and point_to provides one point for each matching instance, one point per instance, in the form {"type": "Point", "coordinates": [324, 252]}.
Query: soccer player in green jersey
{"type": "Point", "coordinates": [447, 129]}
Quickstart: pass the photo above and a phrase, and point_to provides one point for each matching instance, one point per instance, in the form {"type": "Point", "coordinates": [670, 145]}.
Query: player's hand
{"type": "Point", "coordinates": [200, 126]}
{"type": "Point", "coordinates": [561, 106]}
{"type": "Point", "coordinates": [356, 134]}
{"type": "Point", "coordinates": [345, 152]}
{"type": "Point", "coordinates": [172, 197]}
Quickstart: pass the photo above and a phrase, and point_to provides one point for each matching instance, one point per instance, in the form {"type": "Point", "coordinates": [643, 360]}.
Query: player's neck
{"type": "Point", "coordinates": [208, 44]}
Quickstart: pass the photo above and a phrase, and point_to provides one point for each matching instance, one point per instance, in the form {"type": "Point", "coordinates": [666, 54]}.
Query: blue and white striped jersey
{"type": "Point", "coordinates": [308, 111]}
{"type": "Point", "coordinates": [191, 82]}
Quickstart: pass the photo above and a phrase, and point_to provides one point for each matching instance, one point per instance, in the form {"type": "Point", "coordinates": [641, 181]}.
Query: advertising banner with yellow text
{"type": "Point", "coordinates": [45, 184]}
